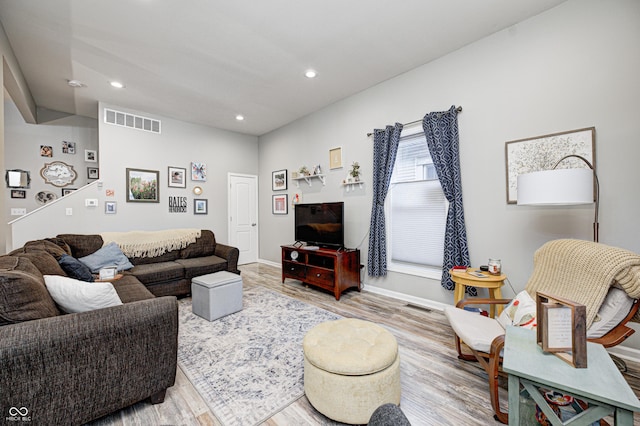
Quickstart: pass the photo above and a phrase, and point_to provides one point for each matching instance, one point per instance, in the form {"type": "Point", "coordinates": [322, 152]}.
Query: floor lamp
{"type": "Point", "coordinates": [561, 187]}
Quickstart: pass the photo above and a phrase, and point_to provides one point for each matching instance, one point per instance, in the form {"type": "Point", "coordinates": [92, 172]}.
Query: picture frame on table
{"type": "Point", "coordinates": [543, 152]}
{"type": "Point", "coordinates": [177, 177]}
{"type": "Point", "coordinates": [142, 186]}
{"type": "Point", "coordinates": [279, 180]}
{"type": "Point", "coordinates": [200, 206]}
{"type": "Point", "coordinates": [280, 204]}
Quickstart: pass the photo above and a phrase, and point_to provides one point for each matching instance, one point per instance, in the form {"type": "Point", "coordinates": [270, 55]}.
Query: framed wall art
{"type": "Point", "coordinates": [142, 186]}
{"type": "Point", "coordinates": [543, 152]}
{"type": "Point", "coordinates": [93, 172]}
{"type": "Point", "coordinates": [200, 206]}
{"type": "Point", "coordinates": [18, 193]}
{"type": "Point", "coordinates": [68, 147]}
{"type": "Point", "coordinates": [110, 207]}
{"type": "Point", "coordinates": [279, 180]}
{"type": "Point", "coordinates": [58, 173]}
{"type": "Point", "coordinates": [90, 156]}
{"type": "Point", "coordinates": [280, 204]}
{"type": "Point", "coordinates": [335, 158]}
{"type": "Point", "coordinates": [177, 177]}
{"type": "Point", "coordinates": [198, 171]}
{"type": "Point", "coordinates": [46, 151]}
{"type": "Point", "coordinates": [67, 191]}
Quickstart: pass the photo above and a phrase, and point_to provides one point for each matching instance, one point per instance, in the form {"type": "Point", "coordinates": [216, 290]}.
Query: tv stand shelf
{"type": "Point", "coordinates": [330, 269]}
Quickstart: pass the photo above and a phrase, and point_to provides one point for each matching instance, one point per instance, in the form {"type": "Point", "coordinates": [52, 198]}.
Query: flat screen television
{"type": "Point", "coordinates": [320, 224]}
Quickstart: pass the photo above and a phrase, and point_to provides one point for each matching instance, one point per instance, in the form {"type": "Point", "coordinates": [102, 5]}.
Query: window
{"type": "Point", "coordinates": [416, 211]}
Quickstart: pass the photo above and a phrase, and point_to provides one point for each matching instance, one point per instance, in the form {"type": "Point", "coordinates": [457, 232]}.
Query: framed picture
{"type": "Point", "coordinates": [68, 147]}
{"type": "Point", "coordinates": [66, 191]}
{"type": "Point", "coordinates": [280, 204]}
{"type": "Point", "coordinates": [543, 152]}
{"type": "Point", "coordinates": [199, 171]}
{"type": "Point", "coordinates": [142, 186]}
{"type": "Point", "coordinates": [335, 158]}
{"type": "Point", "coordinates": [93, 172]}
{"type": "Point", "coordinates": [110, 207]}
{"type": "Point", "coordinates": [58, 173]}
{"type": "Point", "coordinates": [46, 151]}
{"type": "Point", "coordinates": [177, 177]}
{"type": "Point", "coordinates": [91, 156]}
{"type": "Point", "coordinates": [199, 206]}
{"type": "Point", "coordinates": [18, 193]}
{"type": "Point", "coordinates": [562, 328]}
{"type": "Point", "coordinates": [279, 180]}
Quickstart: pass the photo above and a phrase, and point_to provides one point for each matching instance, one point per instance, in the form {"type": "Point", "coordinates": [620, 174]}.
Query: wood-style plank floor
{"type": "Point", "coordinates": [437, 388]}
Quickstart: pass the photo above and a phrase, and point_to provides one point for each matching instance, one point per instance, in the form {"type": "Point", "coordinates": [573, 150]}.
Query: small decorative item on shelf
{"type": "Point", "coordinates": [354, 173]}
{"type": "Point", "coordinates": [304, 171]}
{"type": "Point", "coordinates": [317, 170]}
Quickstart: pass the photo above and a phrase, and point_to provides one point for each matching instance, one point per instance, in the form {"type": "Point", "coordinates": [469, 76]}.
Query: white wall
{"type": "Point", "coordinates": [178, 145]}
{"type": "Point", "coordinates": [572, 67]}
{"type": "Point", "coordinates": [22, 151]}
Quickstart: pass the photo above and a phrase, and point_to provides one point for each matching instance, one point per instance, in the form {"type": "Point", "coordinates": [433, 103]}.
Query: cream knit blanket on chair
{"type": "Point", "coordinates": [583, 271]}
{"type": "Point", "coordinates": [151, 243]}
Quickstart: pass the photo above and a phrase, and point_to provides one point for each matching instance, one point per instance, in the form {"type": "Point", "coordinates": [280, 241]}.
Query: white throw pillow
{"type": "Point", "coordinates": [521, 312]}
{"type": "Point", "coordinates": [615, 307]}
{"type": "Point", "coordinates": [79, 296]}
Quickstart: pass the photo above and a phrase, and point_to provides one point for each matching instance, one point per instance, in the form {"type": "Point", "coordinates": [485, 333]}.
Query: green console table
{"type": "Point", "coordinates": [601, 384]}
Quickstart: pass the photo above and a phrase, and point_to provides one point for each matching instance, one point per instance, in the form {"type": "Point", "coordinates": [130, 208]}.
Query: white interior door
{"type": "Point", "coordinates": [243, 216]}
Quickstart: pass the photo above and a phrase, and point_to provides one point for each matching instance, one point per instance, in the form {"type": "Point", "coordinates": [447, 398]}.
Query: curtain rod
{"type": "Point", "coordinates": [459, 109]}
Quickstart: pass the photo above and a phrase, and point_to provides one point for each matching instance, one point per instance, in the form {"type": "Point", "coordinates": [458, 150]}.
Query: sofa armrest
{"type": "Point", "coordinates": [230, 254]}
{"type": "Point", "coordinates": [74, 368]}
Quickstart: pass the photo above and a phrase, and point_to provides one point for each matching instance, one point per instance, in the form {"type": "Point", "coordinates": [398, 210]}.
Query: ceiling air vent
{"type": "Point", "coordinates": [124, 119]}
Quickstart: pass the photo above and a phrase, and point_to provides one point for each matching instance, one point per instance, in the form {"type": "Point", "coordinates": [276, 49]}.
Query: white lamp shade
{"type": "Point", "coordinates": [556, 187]}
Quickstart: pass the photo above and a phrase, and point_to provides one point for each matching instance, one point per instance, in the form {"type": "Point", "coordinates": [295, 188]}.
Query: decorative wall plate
{"type": "Point", "coordinates": [58, 173]}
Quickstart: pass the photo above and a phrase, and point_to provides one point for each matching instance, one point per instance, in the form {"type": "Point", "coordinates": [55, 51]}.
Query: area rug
{"type": "Point", "coordinates": [248, 366]}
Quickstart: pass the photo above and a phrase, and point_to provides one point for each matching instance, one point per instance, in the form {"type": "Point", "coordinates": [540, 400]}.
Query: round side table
{"type": "Point", "coordinates": [491, 282]}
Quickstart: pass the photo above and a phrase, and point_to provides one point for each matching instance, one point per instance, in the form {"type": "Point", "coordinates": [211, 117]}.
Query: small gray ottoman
{"type": "Point", "coordinates": [216, 295]}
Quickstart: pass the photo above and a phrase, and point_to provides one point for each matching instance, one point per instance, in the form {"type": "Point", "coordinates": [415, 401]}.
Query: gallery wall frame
{"type": "Point", "coordinates": [198, 171]}
{"type": "Point", "coordinates": [279, 180]}
{"type": "Point", "coordinates": [280, 204]}
{"type": "Point", "coordinates": [543, 152]}
{"type": "Point", "coordinates": [177, 177]}
{"type": "Point", "coordinates": [93, 173]}
{"type": "Point", "coordinates": [90, 155]}
{"type": "Point", "coordinates": [142, 186]}
{"type": "Point", "coordinates": [18, 193]}
{"type": "Point", "coordinates": [110, 207]}
{"type": "Point", "coordinates": [67, 191]}
{"type": "Point", "coordinates": [335, 158]}
{"type": "Point", "coordinates": [200, 206]}
{"type": "Point", "coordinates": [58, 173]}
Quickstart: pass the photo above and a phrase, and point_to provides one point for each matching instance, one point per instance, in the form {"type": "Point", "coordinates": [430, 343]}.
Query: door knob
{"type": "Point", "coordinates": [253, 224]}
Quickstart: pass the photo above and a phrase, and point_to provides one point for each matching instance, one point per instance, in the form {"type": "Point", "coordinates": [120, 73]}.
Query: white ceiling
{"type": "Point", "coordinates": [205, 61]}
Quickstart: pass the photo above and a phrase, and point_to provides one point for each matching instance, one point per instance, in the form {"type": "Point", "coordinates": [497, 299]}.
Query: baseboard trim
{"type": "Point", "coordinates": [624, 352]}
{"type": "Point", "coordinates": [425, 303]}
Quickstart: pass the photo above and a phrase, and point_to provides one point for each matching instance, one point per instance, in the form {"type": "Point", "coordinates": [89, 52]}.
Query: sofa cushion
{"type": "Point", "coordinates": [23, 295]}
{"type": "Point", "coordinates": [158, 272]}
{"type": "Point", "coordinates": [46, 263]}
{"type": "Point", "coordinates": [75, 269]}
{"type": "Point", "coordinates": [202, 265]}
{"type": "Point", "coordinates": [82, 244]}
{"type": "Point", "coordinates": [130, 289]}
{"type": "Point", "coordinates": [80, 296]}
{"type": "Point", "coordinates": [109, 255]}
{"type": "Point", "coordinates": [205, 245]}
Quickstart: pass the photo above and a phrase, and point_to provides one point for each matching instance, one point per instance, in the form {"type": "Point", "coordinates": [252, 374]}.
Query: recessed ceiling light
{"type": "Point", "coordinates": [117, 84]}
{"type": "Point", "coordinates": [76, 83]}
{"type": "Point", "coordinates": [310, 74]}
{"type": "Point", "coordinates": [239, 117]}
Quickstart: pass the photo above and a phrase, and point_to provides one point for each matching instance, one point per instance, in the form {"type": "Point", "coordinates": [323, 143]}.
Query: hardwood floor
{"type": "Point", "coordinates": [437, 388]}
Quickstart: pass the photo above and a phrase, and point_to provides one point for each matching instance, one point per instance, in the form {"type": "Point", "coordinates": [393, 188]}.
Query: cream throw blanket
{"type": "Point", "coordinates": [583, 271]}
{"type": "Point", "coordinates": [151, 243]}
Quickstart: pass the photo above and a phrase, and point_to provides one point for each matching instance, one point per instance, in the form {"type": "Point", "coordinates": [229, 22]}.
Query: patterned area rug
{"type": "Point", "coordinates": [248, 366]}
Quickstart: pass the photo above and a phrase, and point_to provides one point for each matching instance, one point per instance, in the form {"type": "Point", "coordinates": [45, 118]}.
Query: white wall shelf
{"type": "Point", "coordinates": [351, 186]}
{"type": "Point", "coordinates": [309, 179]}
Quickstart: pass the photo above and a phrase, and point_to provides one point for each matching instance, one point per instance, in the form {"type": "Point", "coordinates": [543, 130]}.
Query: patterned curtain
{"type": "Point", "coordinates": [441, 131]}
{"type": "Point", "coordinates": [385, 147]}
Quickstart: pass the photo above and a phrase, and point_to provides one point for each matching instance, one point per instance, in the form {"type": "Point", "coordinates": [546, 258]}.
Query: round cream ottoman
{"type": "Point", "coordinates": [351, 367]}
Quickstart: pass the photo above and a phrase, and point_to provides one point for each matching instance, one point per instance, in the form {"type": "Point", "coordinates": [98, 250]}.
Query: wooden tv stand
{"type": "Point", "coordinates": [330, 269]}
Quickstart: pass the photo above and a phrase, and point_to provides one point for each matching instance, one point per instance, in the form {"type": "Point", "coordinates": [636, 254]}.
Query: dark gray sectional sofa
{"type": "Point", "coordinates": [69, 369]}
